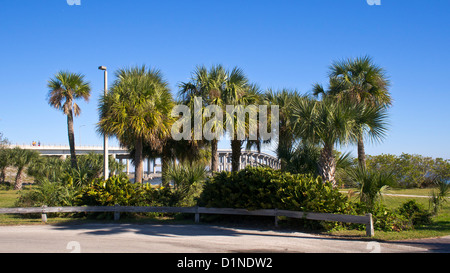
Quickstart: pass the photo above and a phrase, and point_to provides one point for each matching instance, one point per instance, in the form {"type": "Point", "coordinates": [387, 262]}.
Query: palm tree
{"type": "Point", "coordinates": [331, 122]}
{"type": "Point", "coordinates": [328, 123]}
{"type": "Point", "coordinates": [209, 85]}
{"type": "Point", "coordinates": [370, 121]}
{"type": "Point", "coordinates": [137, 111]}
{"type": "Point", "coordinates": [65, 88]}
{"type": "Point", "coordinates": [240, 93]}
{"type": "Point", "coordinates": [5, 162]}
{"type": "Point", "coordinates": [370, 183]}
{"type": "Point", "coordinates": [21, 159]}
{"type": "Point", "coordinates": [48, 167]}
{"type": "Point", "coordinates": [221, 87]}
{"type": "Point", "coordinates": [439, 195]}
{"type": "Point", "coordinates": [358, 80]}
{"type": "Point", "coordinates": [286, 141]}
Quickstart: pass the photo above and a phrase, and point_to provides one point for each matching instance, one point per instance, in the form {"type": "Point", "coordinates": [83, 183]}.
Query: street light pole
{"type": "Point", "coordinates": [105, 137]}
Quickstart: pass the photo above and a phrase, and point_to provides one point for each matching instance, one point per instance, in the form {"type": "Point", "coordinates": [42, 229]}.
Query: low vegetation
{"type": "Point", "coordinates": [251, 188]}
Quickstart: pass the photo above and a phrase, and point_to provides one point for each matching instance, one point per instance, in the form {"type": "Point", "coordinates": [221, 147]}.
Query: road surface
{"type": "Point", "coordinates": [155, 238]}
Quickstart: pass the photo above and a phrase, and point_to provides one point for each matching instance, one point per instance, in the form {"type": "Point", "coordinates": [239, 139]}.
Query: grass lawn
{"type": "Point", "coordinates": [440, 225]}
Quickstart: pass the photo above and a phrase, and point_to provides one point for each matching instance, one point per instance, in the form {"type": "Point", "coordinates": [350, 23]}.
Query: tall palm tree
{"type": "Point", "coordinates": [358, 80]}
{"type": "Point", "coordinates": [209, 85]}
{"type": "Point", "coordinates": [65, 88]}
{"type": "Point", "coordinates": [286, 140]}
{"type": "Point", "coordinates": [21, 159]}
{"type": "Point", "coordinates": [330, 122]}
{"type": "Point", "coordinates": [240, 93]}
{"type": "Point", "coordinates": [137, 111]}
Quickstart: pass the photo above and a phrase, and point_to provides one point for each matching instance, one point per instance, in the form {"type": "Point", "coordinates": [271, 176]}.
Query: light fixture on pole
{"type": "Point", "coordinates": [105, 137]}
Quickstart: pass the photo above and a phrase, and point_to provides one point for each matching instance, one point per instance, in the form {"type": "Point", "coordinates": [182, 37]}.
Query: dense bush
{"type": "Point", "coordinates": [52, 194]}
{"type": "Point", "coordinates": [264, 188]}
{"type": "Point", "coordinates": [415, 212]}
{"type": "Point", "coordinates": [115, 190]}
{"type": "Point", "coordinates": [384, 219]}
{"type": "Point", "coordinates": [188, 180]}
{"type": "Point", "coordinates": [119, 190]}
{"type": "Point", "coordinates": [407, 216]}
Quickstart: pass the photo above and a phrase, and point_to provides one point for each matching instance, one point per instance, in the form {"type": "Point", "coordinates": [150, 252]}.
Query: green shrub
{"type": "Point", "coordinates": [384, 219]}
{"type": "Point", "coordinates": [7, 186]}
{"type": "Point", "coordinates": [406, 217]}
{"type": "Point", "coordinates": [188, 179]}
{"type": "Point", "coordinates": [51, 194]}
{"type": "Point", "coordinates": [264, 188]}
{"type": "Point", "coordinates": [115, 190]}
{"type": "Point", "coordinates": [161, 197]}
{"type": "Point", "coordinates": [415, 212]}
{"type": "Point", "coordinates": [119, 190]}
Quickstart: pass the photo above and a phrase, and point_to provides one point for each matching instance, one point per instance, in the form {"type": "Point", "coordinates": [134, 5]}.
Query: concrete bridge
{"type": "Point", "coordinates": [248, 158]}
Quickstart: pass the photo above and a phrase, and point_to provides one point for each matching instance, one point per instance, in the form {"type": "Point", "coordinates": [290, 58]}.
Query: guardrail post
{"type": "Point", "coordinates": [44, 214]}
{"type": "Point", "coordinates": [370, 232]}
{"type": "Point", "coordinates": [197, 215]}
{"type": "Point", "coordinates": [116, 212]}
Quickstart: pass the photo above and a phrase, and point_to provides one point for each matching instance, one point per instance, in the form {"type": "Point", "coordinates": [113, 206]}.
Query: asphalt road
{"type": "Point", "coordinates": [140, 238]}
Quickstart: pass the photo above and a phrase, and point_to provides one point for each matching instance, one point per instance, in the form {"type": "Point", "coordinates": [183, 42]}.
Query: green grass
{"type": "Point", "coordinates": [7, 198]}
{"type": "Point", "coordinates": [440, 225]}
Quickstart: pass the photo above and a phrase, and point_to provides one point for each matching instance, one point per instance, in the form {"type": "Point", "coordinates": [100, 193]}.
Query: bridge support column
{"type": "Point", "coordinates": [114, 158]}
{"type": "Point", "coordinates": [224, 163]}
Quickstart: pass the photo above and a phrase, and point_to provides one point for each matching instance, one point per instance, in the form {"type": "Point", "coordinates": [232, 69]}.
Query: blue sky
{"type": "Point", "coordinates": [277, 43]}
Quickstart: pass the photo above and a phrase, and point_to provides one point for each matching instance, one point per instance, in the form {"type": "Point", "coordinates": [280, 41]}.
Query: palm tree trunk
{"type": "Point", "coordinates": [139, 162]}
{"type": "Point", "coordinates": [236, 146]}
{"type": "Point", "coordinates": [327, 164]}
{"type": "Point", "coordinates": [361, 153]}
{"type": "Point", "coordinates": [18, 182]}
{"type": "Point", "coordinates": [214, 156]}
{"type": "Point", "coordinates": [73, 156]}
{"type": "Point", "coordinates": [3, 175]}
{"type": "Point", "coordinates": [165, 162]}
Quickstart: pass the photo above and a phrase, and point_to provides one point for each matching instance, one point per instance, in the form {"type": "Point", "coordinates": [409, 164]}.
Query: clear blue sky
{"type": "Point", "coordinates": [277, 43]}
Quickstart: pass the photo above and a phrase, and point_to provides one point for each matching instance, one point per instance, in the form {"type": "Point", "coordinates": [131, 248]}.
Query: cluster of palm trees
{"type": "Point", "coordinates": [220, 87]}
{"type": "Point", "coordinates": [138, 112]}
{"type": "Point", "coordinates": [18, 158]}
{"type": "Point", "coordinates": [352, 107]}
